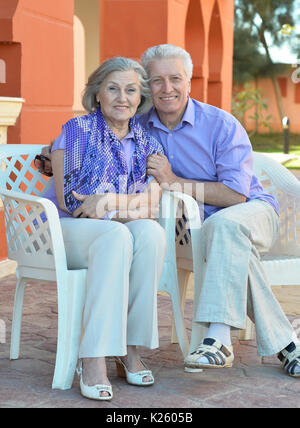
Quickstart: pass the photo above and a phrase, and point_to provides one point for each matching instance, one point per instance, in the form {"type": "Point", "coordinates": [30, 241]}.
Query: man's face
{"type": "Point", "coordinates": [169, 85]}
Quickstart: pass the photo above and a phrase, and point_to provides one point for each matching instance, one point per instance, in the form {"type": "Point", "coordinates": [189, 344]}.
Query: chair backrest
{"type": "Point", "coordinates": [281, 183]}
{"type": "Point", "coordinates": [17, 171]}
{"type": "Point", "coordinates": [27, 228]}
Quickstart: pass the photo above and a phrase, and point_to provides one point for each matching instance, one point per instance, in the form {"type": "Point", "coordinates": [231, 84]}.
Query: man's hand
{"type": "Point", "coordinates": [43, 162]}
{"type": "Point", "coordinates": [159, 167]}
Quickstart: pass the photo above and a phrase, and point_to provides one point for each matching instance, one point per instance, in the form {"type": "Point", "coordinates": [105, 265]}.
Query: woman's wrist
{"type": "Point", "coordinates": [120, 201]}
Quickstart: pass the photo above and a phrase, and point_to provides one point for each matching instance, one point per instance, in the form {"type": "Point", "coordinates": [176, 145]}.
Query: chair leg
{"type": "Point", "coordinates": [179, 324]}
{"type": "Point", "coordinates": [169, 284]}
{"type": "Point", "coordinates": [248, 332]}
{"type": "Point", "coordinates": [71, 296]}
{"type": "Point", "coordinates": [183, 278]}
{"type": "Point", "coordinates": [17, 319]}
{"type": "Point", "coordinates": [177, 309]}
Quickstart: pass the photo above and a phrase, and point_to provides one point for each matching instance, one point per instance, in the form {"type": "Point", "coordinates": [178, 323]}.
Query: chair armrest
{"type": "Point", "coordinates": [33, 230]}
{"type": "Point", "coordinates": [169, 206]}
{"type": "Point", "coordinates": [281, 177]}
{"type": "Point", "coordinates": [168, 217]}
{"type": "Point", "coordinates": [192, 209]}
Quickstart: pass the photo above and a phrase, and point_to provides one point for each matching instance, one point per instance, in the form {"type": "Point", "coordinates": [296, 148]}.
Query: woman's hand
{"type": "Point", "coordinates": [128, 207]}
{"type": "Point", "coordinates": [93, 206]}
{"type": "Point", "coordinates": [143, 205]}
{"type": "Point", "coordinates": [137, 214]}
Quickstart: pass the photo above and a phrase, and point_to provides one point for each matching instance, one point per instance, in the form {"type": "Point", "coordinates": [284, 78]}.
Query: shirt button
{"type": "Point", "coordinates": [170, 135]}
{"type": "Point", "coordinates": [172, 156]}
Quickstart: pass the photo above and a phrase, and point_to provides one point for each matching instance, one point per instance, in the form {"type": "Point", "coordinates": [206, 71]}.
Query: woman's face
{"type": "Point", "coordinates": [119, 96]}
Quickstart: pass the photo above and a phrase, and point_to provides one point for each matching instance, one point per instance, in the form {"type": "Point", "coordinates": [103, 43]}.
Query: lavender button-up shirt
{"type": "Point", "coordinates": [209, 145]}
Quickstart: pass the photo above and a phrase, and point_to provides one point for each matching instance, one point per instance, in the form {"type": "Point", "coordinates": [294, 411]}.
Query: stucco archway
{"type": "Point", "coordinates": [215, 58]}
{"type": "Point", "coordinates": [195, 45]}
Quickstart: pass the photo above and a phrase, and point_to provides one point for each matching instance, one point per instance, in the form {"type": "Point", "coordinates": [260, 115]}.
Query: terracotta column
{"type": "Point", "coordinates": [36, 43]}
{"type": "Point", "coordinates": [220, 54]}
{"type": "Point", "coordinates": [203, 27]}
{"type": "Point", "coordinates": [10, 109]}
{"type": "Point", "coordinates": [36, 53]}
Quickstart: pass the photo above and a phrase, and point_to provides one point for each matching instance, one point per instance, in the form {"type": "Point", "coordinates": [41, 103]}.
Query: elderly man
{"type": "Point", "coordinates": [204, 144]}
{"type": "Point", "coordinates": [208, 146]}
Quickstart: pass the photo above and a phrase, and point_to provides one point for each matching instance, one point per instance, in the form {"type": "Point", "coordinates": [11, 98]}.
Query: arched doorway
{"type": "Point", "coordinates": [86, 46]}
{"type": "Point", "coordinates": [195, 45]}
{"type": "Point", "coordinates": [79, 65]}
{"type": "Point", "coordinates": [215, 58]}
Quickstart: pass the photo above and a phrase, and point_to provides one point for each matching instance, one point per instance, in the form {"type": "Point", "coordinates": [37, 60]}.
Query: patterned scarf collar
{"type": "Point", "coordinates": [94, 160]}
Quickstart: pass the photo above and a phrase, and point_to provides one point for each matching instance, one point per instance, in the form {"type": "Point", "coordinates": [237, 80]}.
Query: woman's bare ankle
{"type": "Point", "coordinates": [133, 362]}
{"type": "Point", "coordinates": [94, 371]}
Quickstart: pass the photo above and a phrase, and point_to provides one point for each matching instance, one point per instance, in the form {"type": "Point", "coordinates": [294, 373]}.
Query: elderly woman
{"type": "Point", "coordinates": [107, 205]}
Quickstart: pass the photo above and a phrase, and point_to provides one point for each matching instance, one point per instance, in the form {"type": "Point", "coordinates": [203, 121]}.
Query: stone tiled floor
{"type": "Point", "coordinates": [251, 382]}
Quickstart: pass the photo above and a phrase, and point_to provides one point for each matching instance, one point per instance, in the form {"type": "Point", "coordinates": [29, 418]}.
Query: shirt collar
{"type": "Point", "coordinates": [188, 117]}
{"type": "Point", "coordinates": [129, 136]}
{"type": "Point", "coordinates": [189, 114]}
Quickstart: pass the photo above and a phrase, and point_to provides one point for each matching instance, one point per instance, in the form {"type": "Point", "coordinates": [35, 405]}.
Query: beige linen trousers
{"type": "Point", "coordinates": [232, 281]}
{"type": "Point", "coordinates": [124, 263]}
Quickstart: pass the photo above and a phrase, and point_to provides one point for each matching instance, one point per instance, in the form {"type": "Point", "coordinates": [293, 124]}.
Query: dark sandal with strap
{"type": "Point", "coordinates": [290, 358]}
{"type": "Point", "coordinates": [217, 354]}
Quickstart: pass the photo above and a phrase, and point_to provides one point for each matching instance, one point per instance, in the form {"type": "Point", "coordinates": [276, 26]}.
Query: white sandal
{"type": "Point", "coordinates": [134, 378]}
{"type": "Point", "coordinates": [217, 354]}
{"type": "Point", "coordinates": [93, 392]}
{"type": "Point", "coordinates": [290, 358]}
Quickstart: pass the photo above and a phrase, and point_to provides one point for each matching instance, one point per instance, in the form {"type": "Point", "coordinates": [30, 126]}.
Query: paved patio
{"type": "Point", "coordinates": [251, 382]}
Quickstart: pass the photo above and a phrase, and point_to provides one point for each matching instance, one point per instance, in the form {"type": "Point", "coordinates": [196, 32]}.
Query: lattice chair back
{"type": "Point", "coordinates": [280, 182]}
{"type": "Point", "coordinates": [18, 172]}
{"type": "Point", "coordinates": [26, 224]}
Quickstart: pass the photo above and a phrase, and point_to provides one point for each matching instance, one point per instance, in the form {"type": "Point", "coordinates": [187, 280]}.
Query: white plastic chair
{"type": "Point", "coordinates": [34, 240]}
{"type": "Point", "coordinates": [180, 218]}
{"type": "Point", "coordinates": [281, 264]}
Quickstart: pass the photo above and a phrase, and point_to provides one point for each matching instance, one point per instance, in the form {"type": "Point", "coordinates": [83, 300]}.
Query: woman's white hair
{"type": "Point", "coordinates": [168, 51]}
{"type": "Point", "coordinates": [95, 80]}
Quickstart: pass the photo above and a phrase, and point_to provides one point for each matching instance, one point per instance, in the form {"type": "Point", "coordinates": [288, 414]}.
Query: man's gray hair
{"type": "Point", "coordinates": [168, 51]}
{"type": "Point", "coordinates": [95, 80]}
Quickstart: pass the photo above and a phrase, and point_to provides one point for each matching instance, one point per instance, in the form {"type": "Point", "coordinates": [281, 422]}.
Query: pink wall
{"type": "Point", "coordinates": [290, 91]}
{"type": "Point", "coordinates": [36, 42]}
{"type": "Point", "coordinates": [203, 27]}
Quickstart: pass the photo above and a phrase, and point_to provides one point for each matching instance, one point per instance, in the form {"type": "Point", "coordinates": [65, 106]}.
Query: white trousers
{"type": "Point", "coordinates": [233, 283]}
{"type": "Point", "coordinates": [124, 263]}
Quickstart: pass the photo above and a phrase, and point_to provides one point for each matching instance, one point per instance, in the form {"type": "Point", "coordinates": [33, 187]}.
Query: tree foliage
{"type": "Point", "coordinates": [244, 100]}
{"type": "Point", "coordinates": [267, 16]}
{"type": "Point", "coordinates": [257, 21]}
{"type": "Point", "coordinates": [259, 24]}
